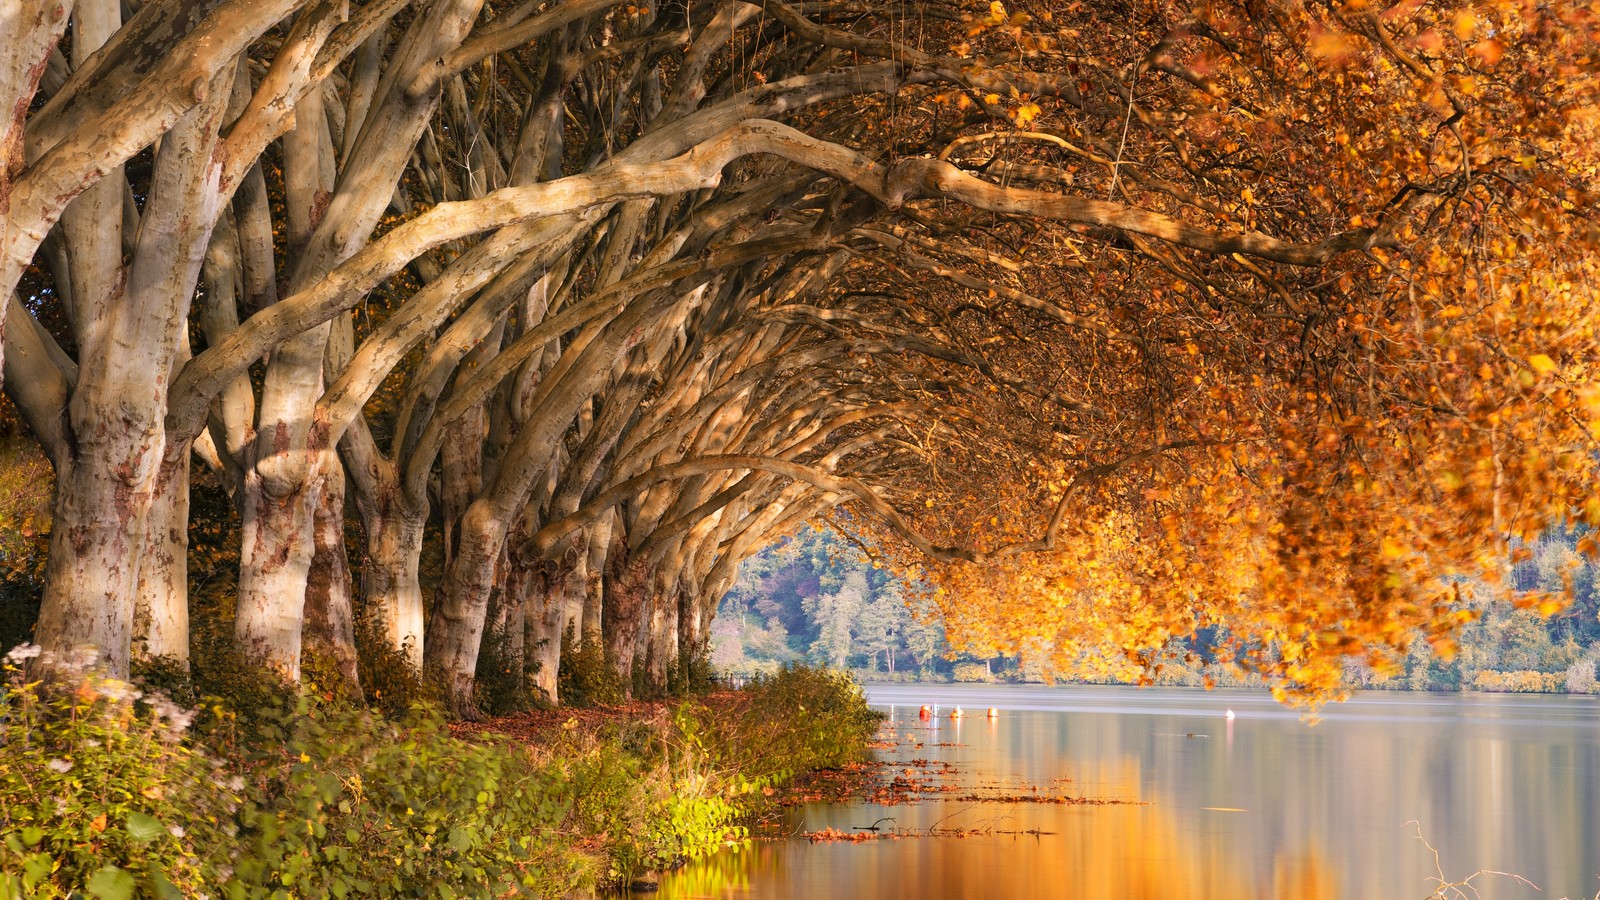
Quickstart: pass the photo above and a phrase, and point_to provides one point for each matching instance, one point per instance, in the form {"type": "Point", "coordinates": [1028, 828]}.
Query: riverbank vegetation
{"type": "Point", "coordinates": [110, 791]}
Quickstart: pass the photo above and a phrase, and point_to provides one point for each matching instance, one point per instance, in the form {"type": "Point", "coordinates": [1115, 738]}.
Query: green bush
{"type": "Point", "coordinates": [500, 684]}
{"type": "Point", "coordinates": [343, 803]}
{"type": "Point", "coordinates": [107, 793]}
{"type": "Point", "coordinates": [586, 676]}
{"type": "Point", "coordinates": [388, 679]}
{"type": "Point", "coordinates": [101, 797]}
{"type": "Point", "coordinates": [778, 726]}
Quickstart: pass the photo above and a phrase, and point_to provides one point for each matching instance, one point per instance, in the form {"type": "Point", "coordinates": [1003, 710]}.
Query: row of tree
{"type": "Point", "coordinates": [599, 297]}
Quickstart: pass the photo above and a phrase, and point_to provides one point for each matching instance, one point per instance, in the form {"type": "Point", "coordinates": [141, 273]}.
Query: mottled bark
{"type": "Point", "coordinates": [456, 632]}
{"type": "Point", "coordinates": [627, 587]}
{"type": "Point", "coordinates": [278, 543]}
{"type": "Point", "coordinates": [106, 480]}
{"type": "Point", "coordinates": [161, 608]}
{"type": "Point", "coordinates": [329, 615]}
{"type": "Point", "coordinates": [390, 588]}
{"type": "Point", "coordinates": [594, 582]}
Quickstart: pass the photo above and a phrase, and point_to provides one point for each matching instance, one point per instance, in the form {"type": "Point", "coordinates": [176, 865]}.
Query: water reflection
{"type": "Point", "coordinates": [1264, 806]}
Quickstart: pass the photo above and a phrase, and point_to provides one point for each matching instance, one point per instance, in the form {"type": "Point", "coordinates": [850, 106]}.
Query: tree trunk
{"type": "Point", "coordinates": [505, 633]}
{"type": "Point", "coordinates": [626, 586]}
{"type": "Point", "coordinates": [456, 632]}
{"type": "Point", "coordinates": [390, 587]}
{"type": "Point", "coordinates": [101, 506]}
{"type": "Point", "coordinates": [555, 603]}
{"type": "Point", "coordinates": [278, 537]}
{"type": "Point", "coordinates": [691, 625]}
{"type": "Point", "coordinates": [161, 607]}
{"type": "Point", "coordinates": [329, 618]}
{"type": "Point", "coordinates": [661, 652]}
{"type": "Point", "coordinates": [594, 583]}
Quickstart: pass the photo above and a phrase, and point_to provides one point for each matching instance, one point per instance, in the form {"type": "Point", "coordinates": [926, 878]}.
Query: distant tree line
{"type": "Point", "coordinates": [814, 598]}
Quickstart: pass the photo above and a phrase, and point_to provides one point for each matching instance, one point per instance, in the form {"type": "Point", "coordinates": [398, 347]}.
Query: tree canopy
{"type": "Point", "coordinates": [1120, 317]}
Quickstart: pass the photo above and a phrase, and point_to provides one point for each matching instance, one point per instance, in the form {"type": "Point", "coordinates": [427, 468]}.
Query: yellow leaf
{"type": "Point", "coordinates": [1542, 364]}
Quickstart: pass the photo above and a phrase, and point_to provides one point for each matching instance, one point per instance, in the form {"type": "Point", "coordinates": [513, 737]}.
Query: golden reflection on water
{"type": "Point", "coordinates": [1137, 851]}
{"type": "Point", "coordinates": [1261, 807]}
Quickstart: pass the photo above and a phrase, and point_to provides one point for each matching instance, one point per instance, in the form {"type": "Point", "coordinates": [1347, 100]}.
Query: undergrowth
{"type": "Point", "coordinates": [113, 790]}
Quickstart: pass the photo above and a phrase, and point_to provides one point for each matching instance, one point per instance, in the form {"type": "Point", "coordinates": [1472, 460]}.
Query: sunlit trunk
{"type": "Point", "coordinates": [101, 506]}
{"type": "Point", "coordinates": [278, 543]}
{"type": "Point", "coordinates": [555, 602]}
{"type": "Point", "coordinates": [390, 587]}
{"type": "Point", "coordinates": [161, 607]}
{"type": "Point", "coordinates": [594, 582]}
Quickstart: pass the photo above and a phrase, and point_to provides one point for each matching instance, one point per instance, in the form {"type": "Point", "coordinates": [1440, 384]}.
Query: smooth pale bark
{"type": "Point", "coordinates": [278, 542]}
{"type": "Point", "coordinates": [329, 615]}
{"type": "Point", "coordinates": [105, 484]}
{"type": "Point", "coordinates": [161, 608]}
{"type": "Point", "coordinates": [331, 216]}
{"type": "Point", "coordinates": [282, 466]}
{"type": "Point", "coordinates": [456, 632]}
{"type": "Point", "coordinates": [506, 630]}
{"type": "Point", "coordinates": [661, 651]}
{"type": "Point", "coordinates": [594, 580]}
{"type": "Point", "coordinates": [31, 28]}
{"type": "Point", "coordinates": [553, 602]}
{"type": "Point", "coordinates": [390, 588]}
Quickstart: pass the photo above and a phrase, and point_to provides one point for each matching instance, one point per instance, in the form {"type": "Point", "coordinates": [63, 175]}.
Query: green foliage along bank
{"type": "Point", "coordinates": [111, 793]}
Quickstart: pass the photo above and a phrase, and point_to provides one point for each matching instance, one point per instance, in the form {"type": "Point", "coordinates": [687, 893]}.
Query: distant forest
{"type": "Point", "coordinates": [814, 598]}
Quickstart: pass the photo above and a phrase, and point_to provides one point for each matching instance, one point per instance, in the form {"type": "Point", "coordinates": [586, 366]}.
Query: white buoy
{"type": "Point", "coordinates": [1229, 715]}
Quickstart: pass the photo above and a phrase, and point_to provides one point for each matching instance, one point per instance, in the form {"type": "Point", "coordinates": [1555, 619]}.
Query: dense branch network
{"type": "Point", "coordinates": [1116, 320]}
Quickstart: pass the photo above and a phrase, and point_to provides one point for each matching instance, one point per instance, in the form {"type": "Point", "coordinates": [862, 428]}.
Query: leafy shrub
{"type": "Point", "coordinates": [778, 726]}
{"type": "Point", "coordinates": [100, 796]}
{"type": "Point", "coordinates": [656, 799]}
{"type": "Point", "coordinates": [344, 803]}
{"type": "Point", "coordinates": [586, 676]}
{"type": "Point", "coordinates": [388, 679]}
{"type": "Point", "coordinates": [501, 685]}
{"type": "Point", "coordinates": [692, 674]}
{"type": "Point", "coordinates": [105, 795]}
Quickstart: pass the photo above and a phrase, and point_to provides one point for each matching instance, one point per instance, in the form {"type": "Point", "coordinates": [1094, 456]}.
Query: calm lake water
{"type": "Point", "coordinates": [1265, 806]}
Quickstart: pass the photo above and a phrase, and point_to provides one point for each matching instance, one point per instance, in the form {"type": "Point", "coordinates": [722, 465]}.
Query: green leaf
{"type": "Point", "coordinates": [162, 886]}
{"type": "Point", "coordinates": [143, 828]}
{"type": "Point", "coordinates": [111, 883]}
{"type": "Point", "coordinates": [32, 835]}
